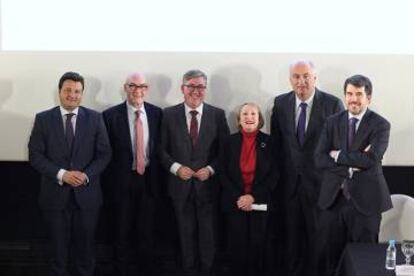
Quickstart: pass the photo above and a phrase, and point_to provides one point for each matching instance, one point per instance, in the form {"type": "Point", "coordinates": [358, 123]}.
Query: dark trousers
{"type": "Point", "coordinates": [196, 231]}
{"type": "Point", "coordinates": [134, 217]}
{"type": "Point", "coordinates": [73, 228]}
{"type": "Point", "coordinates": [300, 216]}
{"type": "Point", "coordinates": [246, 236]}
{"type": "Point", "coordinates": [338, 225]}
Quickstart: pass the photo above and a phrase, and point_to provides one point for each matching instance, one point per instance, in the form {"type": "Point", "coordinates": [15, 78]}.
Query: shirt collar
{"type": "Point", "coordinates": [64, 111]}
{"type": "Point", "coordinates": [309, 101]}
{"type": "Point", "coordinates": [359, 116]}
{"type": "Point", "coordinates": [199, 109]}
{"type": "Point", "coordinates": [132, 109]}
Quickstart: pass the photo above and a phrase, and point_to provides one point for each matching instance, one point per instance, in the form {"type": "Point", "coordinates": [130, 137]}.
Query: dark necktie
{"type": "Point", "coordinates": [194, 127]}
{"type": "Point", "coordinates": [351, 134]}
{"type": "Point", "coordinates": [139, 144]}
{"type": "Point", "coordinates": [351, 131]}
{"type": "Point", "coordinates": [300, 132]}
{"type": "Point", "coordinates": [69, 134]}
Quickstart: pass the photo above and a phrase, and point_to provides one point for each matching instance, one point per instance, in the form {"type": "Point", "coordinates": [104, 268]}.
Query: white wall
{"type": "Point", "coordinates": [28, 84]}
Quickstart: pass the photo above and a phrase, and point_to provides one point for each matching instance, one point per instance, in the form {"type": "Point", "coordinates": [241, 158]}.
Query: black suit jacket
{"type": "Point", "coordinates": [48, 153]}
{"type": "Point", "coordinates": [368, 188]}
{"type": "Point", "coordinates": [266, 174]}
{"type": "Point", "coordinates": [120, 167]}
{"type": "Point", "coordinates": [176, 146]}
{"type": "Point", "coordinates": [298, 160]}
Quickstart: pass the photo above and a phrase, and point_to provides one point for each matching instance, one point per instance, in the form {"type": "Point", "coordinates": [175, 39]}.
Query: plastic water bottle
{"type": "Point", "coordinates": [391, 255]}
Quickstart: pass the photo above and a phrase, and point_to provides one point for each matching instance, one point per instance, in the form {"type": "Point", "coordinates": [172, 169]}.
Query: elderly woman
{"type": "Point", "coordinates": [249, 175]}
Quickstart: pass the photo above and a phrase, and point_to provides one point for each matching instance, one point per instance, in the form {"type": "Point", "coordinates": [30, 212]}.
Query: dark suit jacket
{"type": "Point", "coordinates": [266, 174]}
{"type": "Point", "coordinates": [48, 153]}
{"type": "Point", "coordinates": [120, 167]}
{"type": "Point", "coordinates": [176, 146]}
{"type": "Point", "coordinates": [368, 188]}
{"type": "Point", "coordinates": [299, 160]}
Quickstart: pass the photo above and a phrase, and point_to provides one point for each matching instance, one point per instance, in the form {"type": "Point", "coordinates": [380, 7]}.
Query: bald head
{"type": "Point", "coordinates": [136, 89]}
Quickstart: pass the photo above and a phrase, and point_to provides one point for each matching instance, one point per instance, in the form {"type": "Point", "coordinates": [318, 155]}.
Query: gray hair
{"type": "Point", "coordinates": [195, 73]}
{"type": "Point", "coordinates": [302, 61]}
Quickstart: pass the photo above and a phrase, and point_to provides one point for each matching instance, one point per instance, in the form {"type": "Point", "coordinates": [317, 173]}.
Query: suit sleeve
{"type": "Point", "coordinates": [322, 158]}
{"type": "Point", "coordinates": [378, 143]}
{"type": "Point", "coordinates": [166, 158]}
{"type": "Point", "coordinates": [37, 150]}
{"type": "Point", "coordinates": [228, 185]}
{"type": "Point", "coordinates": [103, 151]}
{"type": "Point", "coordinates": [223, 132]}
{"type": "Point", "coordinates": [275, 133]}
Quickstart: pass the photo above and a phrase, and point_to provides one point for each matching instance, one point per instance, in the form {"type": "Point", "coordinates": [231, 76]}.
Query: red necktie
{"type": "Point", "coordinates": [194, 127]}
{"type": "Point", "coordinates": [139, 144]}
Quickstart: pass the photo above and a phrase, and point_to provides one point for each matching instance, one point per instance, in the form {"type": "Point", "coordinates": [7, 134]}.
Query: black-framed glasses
{"type": "Point", "coordinates": [192, 88]}
{"type": "Point", "coordinates": [133, 86]}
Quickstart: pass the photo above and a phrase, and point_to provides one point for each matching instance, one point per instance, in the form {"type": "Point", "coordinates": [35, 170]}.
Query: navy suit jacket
{"type": "Point", "coordinates": [49, 152]}
{"type": "Point", "coordinates": [120, 167]}
{"type": "Point", "coordinates": [298, 160]}
{"type": "Point", "coordinates": [176, 146]}
{"type": "Point", "coordinates": [265, 178]}
{"type": "Point", "coordinates": [368, 188]}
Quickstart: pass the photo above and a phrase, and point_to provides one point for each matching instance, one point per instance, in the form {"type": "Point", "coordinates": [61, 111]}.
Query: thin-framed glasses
{"type": "Point", "coordinates": [133, 86]}
{"type": "Point", "coordinates": [192, 88]}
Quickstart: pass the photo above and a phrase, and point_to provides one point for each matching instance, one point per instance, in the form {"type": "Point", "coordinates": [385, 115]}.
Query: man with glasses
{"type": "Point", "coordinates": [133, 129]}
{"type": "Point", "coordinates": [192, 135]}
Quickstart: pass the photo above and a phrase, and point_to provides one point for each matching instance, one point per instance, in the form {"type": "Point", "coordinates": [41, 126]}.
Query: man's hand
{"type": "Point", "coordinates": [202, 174]}
{"type": "Point", "coordinates": [185, 173]}
{"type": "Point", "coordinates": [245, 202]}
{"type": "Point", "coordinates": [74, 178]}
{"type": "Point", "coordinates": [334, 154]}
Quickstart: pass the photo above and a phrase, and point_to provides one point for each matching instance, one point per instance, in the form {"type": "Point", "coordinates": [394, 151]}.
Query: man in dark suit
{"type": "Point", "coordinates": [354, 192]}
{"type": "Point", "coordinates": [296, 123]}
{"type": "Point", "coordinates": [133, 185]}
{"type": "Point", "coordinates": [69, 146]}
{"type": "Point", "coordinates": [192, 135]}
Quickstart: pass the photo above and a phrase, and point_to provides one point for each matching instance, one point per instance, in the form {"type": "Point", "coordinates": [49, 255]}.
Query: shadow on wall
{"type": "Point", "coordinates": [242, 80]}
{"type": "Point", "coordinates": [160, 87]}
{"type": "Point", "coordinates": [13, 125]}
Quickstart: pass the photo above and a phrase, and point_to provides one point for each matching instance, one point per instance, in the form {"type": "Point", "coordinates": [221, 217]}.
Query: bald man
{"type": "Point", "coordinates": [133, 128]}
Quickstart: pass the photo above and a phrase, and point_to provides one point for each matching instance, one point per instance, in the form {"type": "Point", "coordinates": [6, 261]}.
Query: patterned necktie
{"type": "Point", "coordinates": [194, 127]}
{"type": "Point", "coordinates": [351, 131]}
{"type": "Point", "coordinates": [139, 145]}
{"type": "Point", "coordinates": [69, 134]}
{"type": "Point", "coordinates": [300, 132]}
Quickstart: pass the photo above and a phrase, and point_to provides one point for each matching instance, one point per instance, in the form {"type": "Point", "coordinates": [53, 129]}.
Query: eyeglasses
{"type": "Point", "coordinates": [192, 88]}
{"type": "Point", "coordinates": [133, 86]}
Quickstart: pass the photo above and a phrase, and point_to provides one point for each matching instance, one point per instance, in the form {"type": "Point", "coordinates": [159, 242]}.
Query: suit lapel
{"type": "Point", "coordinates": [343, 130]}
{"type": "Point", "coordinates": [236, 165]}
{"type": "Point", "coordinates": [291, 122]}
{"type": "Point", "coordinates": [124, 125]}
{"type": "Point", "coordinates": [80, 130]}
{"type": "Point", "coordinates": [205, 125]}
{"type": "Point", "coordinates": [314, 115]}
{"type": "Point", "coordinates": [151, 125]}
{"type": "Point", "coordinates": [359, 135]}
{"type": "Point", "coordinates": [57, 122]}
{"type": "Point", "coordinates": [182, 125]}
{"type": "Point", "coordinates": [260, 146]}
